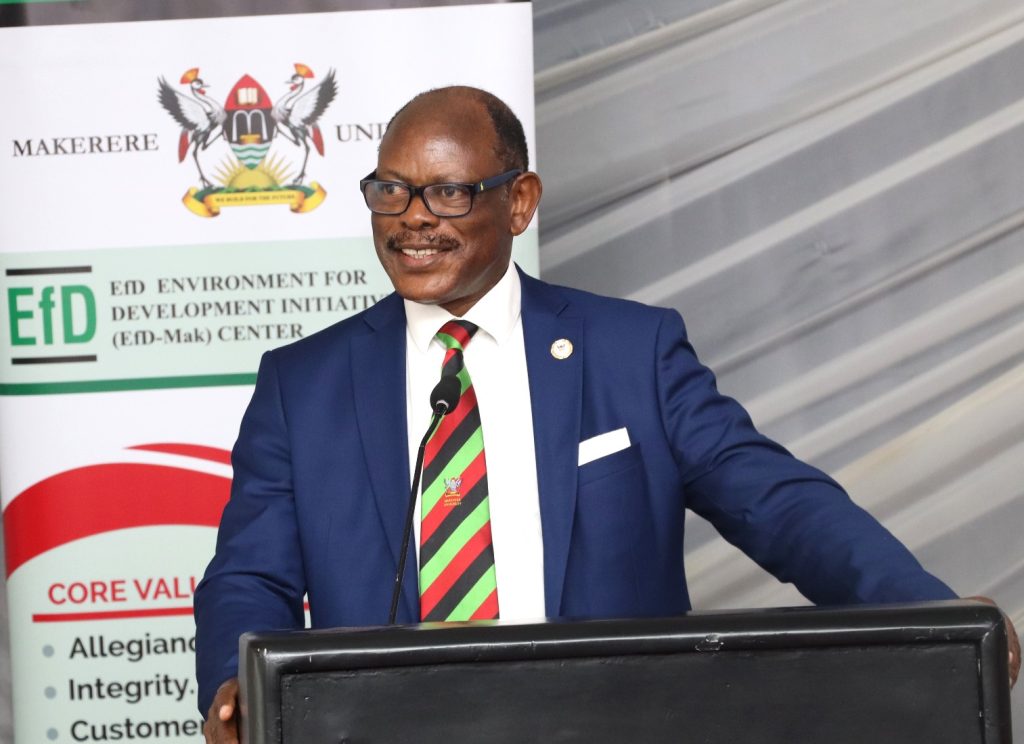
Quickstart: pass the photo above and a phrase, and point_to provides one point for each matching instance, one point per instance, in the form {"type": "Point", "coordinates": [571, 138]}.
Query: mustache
{"type": "Point", "coordinates": [395, 242]}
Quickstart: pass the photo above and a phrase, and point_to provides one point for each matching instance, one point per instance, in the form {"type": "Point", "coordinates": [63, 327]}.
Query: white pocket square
{"type": "Point", "coordinates": [603, 445]}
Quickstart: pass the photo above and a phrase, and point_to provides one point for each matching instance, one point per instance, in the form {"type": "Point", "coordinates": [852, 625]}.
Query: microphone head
{"type": "Point", "coordinates": [445, 395]}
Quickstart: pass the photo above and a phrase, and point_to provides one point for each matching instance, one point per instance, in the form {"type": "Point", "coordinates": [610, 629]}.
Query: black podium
{"type": "Point", "coordinates": [930, 673]}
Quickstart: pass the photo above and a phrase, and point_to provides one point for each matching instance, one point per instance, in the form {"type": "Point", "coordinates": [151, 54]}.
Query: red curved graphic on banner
{"type": "Point", "coordinates": [199, 451]}
{"type": "Point", "coordinates": [102, 498]}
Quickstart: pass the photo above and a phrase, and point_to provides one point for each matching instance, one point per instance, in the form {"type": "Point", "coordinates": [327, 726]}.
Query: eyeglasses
{"type": "Point", "coordinates": [442, 199]}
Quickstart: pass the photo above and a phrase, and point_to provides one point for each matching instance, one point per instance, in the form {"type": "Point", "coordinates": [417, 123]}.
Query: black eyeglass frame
{"type": "Point", "coordinates": [474, 189]}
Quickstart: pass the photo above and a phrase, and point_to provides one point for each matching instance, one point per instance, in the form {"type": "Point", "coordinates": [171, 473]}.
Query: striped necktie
{"type": "Point", "coordinates": [457, 580]}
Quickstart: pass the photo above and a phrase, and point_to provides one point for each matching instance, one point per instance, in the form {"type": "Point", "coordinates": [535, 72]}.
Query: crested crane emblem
{"type": "Point", "coordinates": [452, 495]}
{"type": "Point", "coordinates": [249, 121]}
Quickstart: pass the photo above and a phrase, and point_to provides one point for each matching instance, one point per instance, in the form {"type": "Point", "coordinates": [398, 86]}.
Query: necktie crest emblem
{"type": "Point", "coordinates": [451, 496]}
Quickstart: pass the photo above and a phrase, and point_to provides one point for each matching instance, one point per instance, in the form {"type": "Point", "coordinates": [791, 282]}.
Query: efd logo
{"type": "Point", "coordinates": [50, 314]}
{"type": "Point", "coordinates": [249, 121]}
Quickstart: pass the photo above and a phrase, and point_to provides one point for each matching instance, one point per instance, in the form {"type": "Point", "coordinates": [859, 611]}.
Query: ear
{"type": "Point", "coordinates": [525, 197]}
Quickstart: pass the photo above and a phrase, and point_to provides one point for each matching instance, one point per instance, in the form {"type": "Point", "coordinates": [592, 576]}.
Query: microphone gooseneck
{"type": "Point", "coordinates": [443, 400]}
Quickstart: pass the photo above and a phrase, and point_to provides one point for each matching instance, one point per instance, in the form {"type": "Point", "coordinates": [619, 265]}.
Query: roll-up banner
{"type": "Point", "coordinates": [176, 197]}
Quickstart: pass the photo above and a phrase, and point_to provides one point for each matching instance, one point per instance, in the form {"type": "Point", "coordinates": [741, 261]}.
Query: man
{"type": "Point", "coordinates": [599, 423]}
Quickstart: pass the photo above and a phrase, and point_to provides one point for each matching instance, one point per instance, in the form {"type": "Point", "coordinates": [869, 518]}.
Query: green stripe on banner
{"type": "Point", "coordinates": [475, 597]}
{"type": "Point", "coordinates": [141, 383]}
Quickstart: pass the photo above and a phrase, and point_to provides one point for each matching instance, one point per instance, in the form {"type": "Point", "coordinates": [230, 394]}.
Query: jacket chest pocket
{"type": "Point", "coordinates": [610, 466]}
{"type": "Point", "coordinates": [611, 512]}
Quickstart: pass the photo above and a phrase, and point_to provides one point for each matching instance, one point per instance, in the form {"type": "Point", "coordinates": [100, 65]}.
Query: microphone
{"type": "Point", "coordinates": [444, 398]}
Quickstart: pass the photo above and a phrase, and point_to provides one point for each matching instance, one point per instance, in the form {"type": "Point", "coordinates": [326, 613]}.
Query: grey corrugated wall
{"type": "Point", "coordinates": [832, 192]}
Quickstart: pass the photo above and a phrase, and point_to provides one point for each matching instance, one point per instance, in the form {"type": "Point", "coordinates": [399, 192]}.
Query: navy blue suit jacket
{"type": "Point", "coordinates": [321, 482]}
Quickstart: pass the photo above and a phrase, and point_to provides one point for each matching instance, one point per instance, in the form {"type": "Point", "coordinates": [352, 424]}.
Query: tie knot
{"type": "Point", "coordinates": [455, 334]}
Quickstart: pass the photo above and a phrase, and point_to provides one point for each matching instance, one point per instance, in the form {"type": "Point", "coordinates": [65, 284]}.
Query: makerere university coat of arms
{"type": "Point", "coordinates": [249, 121]}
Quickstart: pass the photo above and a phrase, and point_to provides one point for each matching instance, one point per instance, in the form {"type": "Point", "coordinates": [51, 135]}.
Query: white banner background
{"type": "Point", "coordinates": [81, 552]}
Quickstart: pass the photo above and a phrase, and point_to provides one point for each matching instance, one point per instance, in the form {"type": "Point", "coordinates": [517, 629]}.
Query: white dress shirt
{"type": "Point", "coordinates": [496, 361]}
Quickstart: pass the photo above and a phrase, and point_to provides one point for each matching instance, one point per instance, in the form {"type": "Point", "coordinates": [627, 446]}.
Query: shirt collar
{"type": "Point", "coordinates": [496, 313]}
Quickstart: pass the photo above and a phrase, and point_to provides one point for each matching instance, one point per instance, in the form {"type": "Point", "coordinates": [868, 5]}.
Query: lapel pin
{"type": "Point", "coordinates": [561, 349]}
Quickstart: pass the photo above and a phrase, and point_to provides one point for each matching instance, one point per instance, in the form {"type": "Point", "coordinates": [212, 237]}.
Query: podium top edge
{"type": "Point", "coordinates": [955, 621]}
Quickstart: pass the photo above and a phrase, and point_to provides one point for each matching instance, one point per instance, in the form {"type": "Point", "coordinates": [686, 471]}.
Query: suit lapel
{"type": "Point", "coordinates": [378, 379]}
{"type": "Point", "coordinates": [556, 400]}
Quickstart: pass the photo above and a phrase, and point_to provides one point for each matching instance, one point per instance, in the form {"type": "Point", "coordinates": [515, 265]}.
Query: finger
{"type": "Point", "coordinates": [219, 732]}
{"type": "Point", "coordinates": [229, 733]}
{"type": "Point", "coordinates": [221, 725]}
{"type": "Point", "coordinates": [225, 699]}
{"type": "Point", "coordinates": [1014, 643]}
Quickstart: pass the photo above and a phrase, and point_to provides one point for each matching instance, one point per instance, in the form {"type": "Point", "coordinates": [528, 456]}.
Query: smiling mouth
{"type": "Point", "coordinates": [438, 244]}
{"type": "Point", "coordinates": [419, 252]}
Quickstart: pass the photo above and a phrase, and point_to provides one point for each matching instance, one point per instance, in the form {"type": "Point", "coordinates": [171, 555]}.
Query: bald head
{"type": "Point", "coordinates": [461, 107]}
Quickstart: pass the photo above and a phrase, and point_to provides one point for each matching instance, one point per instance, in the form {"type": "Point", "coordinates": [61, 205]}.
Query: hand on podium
{"type": "Point", "coordinates": [1012, 641]}
{"type": "Point", "coordinates": [222, 719]}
